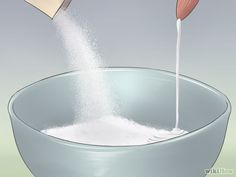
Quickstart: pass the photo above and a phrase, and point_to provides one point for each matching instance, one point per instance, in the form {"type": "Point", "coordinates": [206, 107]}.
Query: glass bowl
{"type": "Point", "coordinates": [146, 96]}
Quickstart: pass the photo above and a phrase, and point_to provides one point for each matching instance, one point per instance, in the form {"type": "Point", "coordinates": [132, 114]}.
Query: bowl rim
{"type": "Point", "coordinates": [227, 110]}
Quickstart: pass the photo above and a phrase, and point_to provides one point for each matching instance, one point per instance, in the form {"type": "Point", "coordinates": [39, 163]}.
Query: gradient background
{"type": "Point", "coordinates": [128, 33]}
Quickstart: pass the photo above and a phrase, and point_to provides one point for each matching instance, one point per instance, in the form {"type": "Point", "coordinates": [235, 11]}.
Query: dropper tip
{"type": "Point", "coordinates": [184, 8]}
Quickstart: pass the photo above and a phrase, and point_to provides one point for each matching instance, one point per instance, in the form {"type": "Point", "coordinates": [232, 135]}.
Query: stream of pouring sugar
{"type": "Point", "coordinates": [100, 124]}
{"type": "Point", "coordinates": [94, 97]}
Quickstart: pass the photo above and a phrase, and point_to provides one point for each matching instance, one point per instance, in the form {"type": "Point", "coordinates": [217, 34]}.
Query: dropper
{"type": "Point", "coordinates": [184, 8]}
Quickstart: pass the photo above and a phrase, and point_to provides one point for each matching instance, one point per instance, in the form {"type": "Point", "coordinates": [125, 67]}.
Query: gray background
{"type": "Point", "coordinates": [128, 33]}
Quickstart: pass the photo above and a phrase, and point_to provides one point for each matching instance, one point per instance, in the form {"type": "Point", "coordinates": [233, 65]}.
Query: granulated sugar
{"type": "Point", "coordinates": [98, 121]}
{"type": "Point", "coordinates": [112, 131]}
{"type": "Point", "coordinates": [93, 96]}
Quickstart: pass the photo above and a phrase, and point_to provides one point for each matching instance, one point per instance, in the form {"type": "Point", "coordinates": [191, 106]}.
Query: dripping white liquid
{"type": "Point", "coordinates": [178, 23]}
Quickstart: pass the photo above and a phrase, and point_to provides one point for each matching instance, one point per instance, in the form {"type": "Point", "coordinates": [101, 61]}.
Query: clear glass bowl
{"type": "Point", "coordinates": [144, 95]}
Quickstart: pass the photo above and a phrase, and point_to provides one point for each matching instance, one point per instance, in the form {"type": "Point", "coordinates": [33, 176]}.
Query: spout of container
{"type": "Point", "coordinates": [50, 7]}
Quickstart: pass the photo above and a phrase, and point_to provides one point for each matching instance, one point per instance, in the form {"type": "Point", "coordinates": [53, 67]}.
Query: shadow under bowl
{"type": "Point", "coordinates": [146, 96]}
